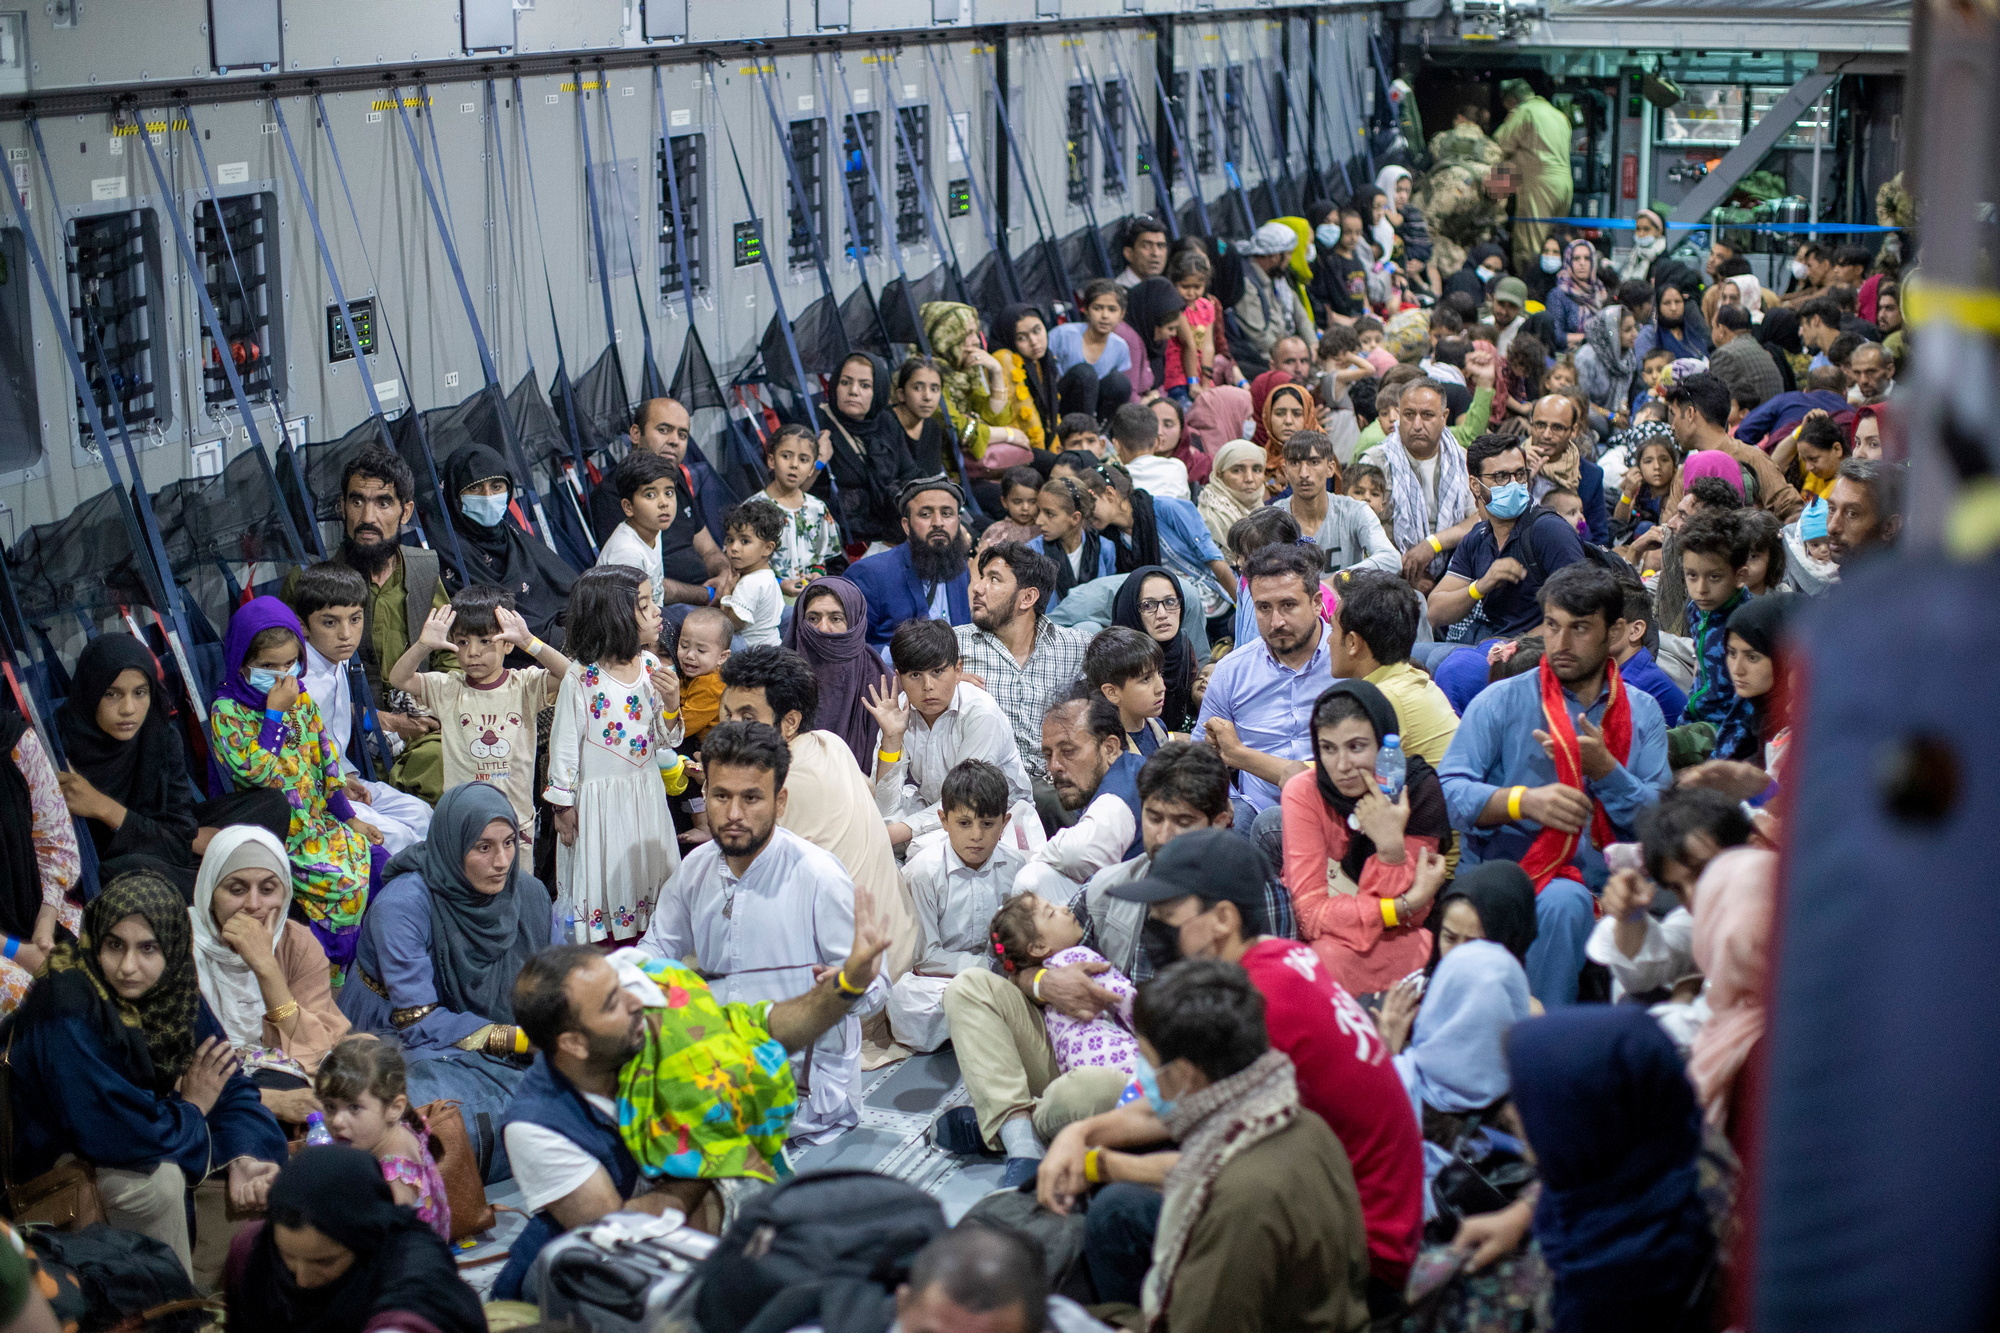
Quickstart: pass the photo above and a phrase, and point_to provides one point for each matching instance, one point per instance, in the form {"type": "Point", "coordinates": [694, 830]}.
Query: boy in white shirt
{"type": "Point", "coordinates": [1135, 432]}
{"type": "Point", "coordinates": [957, 883]}
{"type": "Point", "coordinates": [751, 532]}
{"type": "Point", "coordinates": [940, 721]}
{"type": "Point", "coordinates": [645, 484]}
{"type": "Point", "coordinates": [329, 600]}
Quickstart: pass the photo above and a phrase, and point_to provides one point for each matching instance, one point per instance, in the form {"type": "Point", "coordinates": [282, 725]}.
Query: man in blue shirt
{"type": "Point", "coordinates": [1499, 567]}
{"type": "Point", "coordinates": [1258, 708]}
{"type": "Point", "coordinates": [1500, 782]}
{"type": "Point", "coordinates": [1633, 652]}
{"type": "Point", "coordinates": [927, 576]}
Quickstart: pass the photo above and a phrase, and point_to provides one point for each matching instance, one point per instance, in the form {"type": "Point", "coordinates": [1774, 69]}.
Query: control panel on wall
{"type": "Point", "coordinates": [115, 308]}
{"type": "Point", "coordinates": [239, 265]}
{"type": "Point", "coordinates": [339, 347]}
{"type": "Point", "coordinates": [689, 161]}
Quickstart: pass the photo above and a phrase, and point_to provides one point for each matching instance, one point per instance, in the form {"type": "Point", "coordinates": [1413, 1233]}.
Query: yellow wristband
{"type": "Point", "coordinates": [520, 1042]}
{"type": "Point", "coordinates": [1038, 984]}
{"type": "Point", "coordinates": [1437, 545]}
{"type": "Point", "coordinates": [668, 717]}
{"type": "Point", "coordinates": [1514, 802]}
{"type": "Point", "coordinates": [840, 984]}
{"type": "Point", "coordinates": [1389, 913]}
{"type": "Point", "coordinates": [887, 757]}
{"type": "Point", "coordinates": [1472, 591]}
{"type": "Point", "coordinates": [535, 647]}
{"type": "Point", "coordinates": [1093, 1166]}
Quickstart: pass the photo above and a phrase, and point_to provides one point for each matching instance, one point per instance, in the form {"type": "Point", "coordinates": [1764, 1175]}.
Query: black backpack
{"type": "Point", "coordinates": [828, 1247]}
{"type": "Point", "coordinates": [109, 1278]}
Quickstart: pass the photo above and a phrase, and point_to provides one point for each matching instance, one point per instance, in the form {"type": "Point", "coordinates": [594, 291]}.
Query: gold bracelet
{"type": "Point", "coordinates": [888, 758]}
{"type": "Point", "coordinates": [1389, 913]}
{"type": "Point", "coordinates": [1514, 802]}
{"type": "Point", "coordinates": [282, 1012]}
{"type": "Point", "coordinates": [1093, 1166]}
{"type": "Point", "coordinates": [840, 984]}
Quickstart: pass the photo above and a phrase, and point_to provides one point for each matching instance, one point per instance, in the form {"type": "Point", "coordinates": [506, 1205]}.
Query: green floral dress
{"type": "Point", "coordinates": [711, 1093]}
{"type": "Point", "coordinates": [329, 859]}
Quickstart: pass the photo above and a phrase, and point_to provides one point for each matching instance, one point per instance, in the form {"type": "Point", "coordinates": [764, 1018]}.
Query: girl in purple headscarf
{"type": "Point", "coordinates": [268, 733]}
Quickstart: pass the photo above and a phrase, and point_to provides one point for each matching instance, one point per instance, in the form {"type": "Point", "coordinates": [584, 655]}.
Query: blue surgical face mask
{"type": "Point", "coordinates": [1552, 263]}
{"type": "Point", "coordinates": [1328, 234]}
{"type": "Point", "coordinates": [1149, 1079]}
{"type": "Point", "coordinates": [485, 510]}
{"type": "Point", "coordinates": [1509, 501]}
{"type": "Point", "coordinates": [265, 679]}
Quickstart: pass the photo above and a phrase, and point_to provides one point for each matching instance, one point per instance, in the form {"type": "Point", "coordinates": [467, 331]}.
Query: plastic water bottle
{"type": "Point", "coordinates": [317, 1134]}
{"type": "Point", "coordinates": [1390, 767]}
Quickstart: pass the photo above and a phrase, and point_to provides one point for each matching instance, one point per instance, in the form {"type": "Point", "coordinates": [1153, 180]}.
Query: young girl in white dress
{"type": "Point", "coordinates": [612, 763]}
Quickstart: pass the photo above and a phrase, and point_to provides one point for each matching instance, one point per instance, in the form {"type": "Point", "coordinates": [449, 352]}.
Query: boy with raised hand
{"type": "Point", "coordinates": [957, 883]}
{"type": "Point", "coordinates": [329, 600]}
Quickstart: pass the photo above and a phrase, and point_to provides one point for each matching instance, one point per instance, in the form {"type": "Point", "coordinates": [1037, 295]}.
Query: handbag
{"type": "Point", "coordinates": [458, 1164]}
{"type": "Point", "coordinates": [1482, 1177]}
{"type": "Point", "coordinates": [63, 1197]}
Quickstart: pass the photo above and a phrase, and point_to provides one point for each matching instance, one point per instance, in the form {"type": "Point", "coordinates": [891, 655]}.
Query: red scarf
{"type": "Point", "coordinates": [1553, 850]}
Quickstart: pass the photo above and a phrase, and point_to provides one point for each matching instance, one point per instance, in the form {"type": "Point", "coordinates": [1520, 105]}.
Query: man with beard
{"type": "Point", "coordinates": [1258, 708]}
{"type": "Point", "coordinates": [763, 912]}
{"type": "Point", "coordinates": [1092, 770]}
{"type": "Point", "coordinates": [1027, 661]}
{"type": "Point", "coordinates": [587, 1018]}
{"type": "Point", "coordinates": [1864, 509]}
{"type": "Point", "coordinates": [925, 577]}
{"type": "Point", "coordinates": [378, 495]}
{"type": "Point", "coordinates": [1018, 1098]}
{"type": "Point", "coordinates": [1514, 801]}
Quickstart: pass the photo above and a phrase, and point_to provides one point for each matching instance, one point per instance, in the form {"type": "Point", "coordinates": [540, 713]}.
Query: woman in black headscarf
{"type": "Point", "coordinates": [1153, 309]}
{"type": "Point", "coordinates": [128, 777]}
{"type": "Point", "coordinates": [1157, 585]}
{"type": "Point", "coordinates": [479, 489]}
{"type": "Point", "coordinates": [1476, 279]}
{"type": "Point", "coordinates": [337, 1254]}
{"type": "Point", "coordinates": [868, 453]}
{"type": "Point", "coordinates": [1494, 900]}
{"type": "Point", "coordinates": [1779, 333]}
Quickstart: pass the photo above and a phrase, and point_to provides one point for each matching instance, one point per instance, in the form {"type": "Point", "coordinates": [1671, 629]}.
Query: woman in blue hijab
{"type": "Point", "coordinates": [1612, 1118]}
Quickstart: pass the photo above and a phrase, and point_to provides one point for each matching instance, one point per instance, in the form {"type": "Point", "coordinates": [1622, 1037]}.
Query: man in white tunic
{"type": "Point", "coordinates": [764, 913]}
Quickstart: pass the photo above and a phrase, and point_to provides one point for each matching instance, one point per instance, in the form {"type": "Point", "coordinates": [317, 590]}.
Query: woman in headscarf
{"type": "Point", "coordinates": [1780, 335]}
{"type": "Point", "coordinates": [1154, 309]}
{"type": "Point", "coordinates": [1235, 488]}
{"type": "Point", "coordinates": [117, 1061]}
{"type": "Point", "coordinates": [1734, 904]}
{"type": "Point", "coordinates": [1620, 1221]}
{"type": "Point", "coordinates": [1606, 364]}
{"type": "Point", "coordinates": [978, 393]}
{"type": "Point", "coordinates": [1021, 346]}
{"type": "Point", "coordinates": [1578, 293]}
{"type": "Point", "coordinates": [830, 630]}
{"type": "Point", "coordinates": [1401, 212]}
{"type": "Point", "coordinates": [1484, 265]}
{"type": "Point", "coordinates": [1649, 242]}
{"type": "Point", "coordinates": [1749, 294]}
{"type": "Point", "coordinates": [1494, 900]}
{"type": "Point", "coordinates": [1372, 202]}
{"type": "Point", "coordinates": [335, 1253]}
{"type": "Point", "coordinates": [1152, 601]}
{"type": "Point", "coordinates": [1760, 670]}
{"type": "Point", "coordinates": [38, 856]}
{"type": "Point", "coordinates": [268, 733]}
{"type": "Point", "coordinates": [1362, 869]}
{"type": "Point", "coordinates": [457, 917]}
{"type": "Point", "coordinates": [869, 453]}
{"type": "Point", "coordinates": [128, 776]}
{"type": "Point", "coordinates": [1677, 326]}
{"type": "Point", "coordinates": [1284, 408]}
{"type": "Point", "coordinates": [479, 489]}
{"type": "Point", "coordinates": [263, 975]}
{"type": "Point", "coordinates": [1709, 463]}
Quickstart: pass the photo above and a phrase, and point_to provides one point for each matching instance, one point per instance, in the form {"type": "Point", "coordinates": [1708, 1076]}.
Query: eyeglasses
{"type": "Point", "coordinates": [1159, 604]}
{"type": "Point", "coordinates": [1524, 476]}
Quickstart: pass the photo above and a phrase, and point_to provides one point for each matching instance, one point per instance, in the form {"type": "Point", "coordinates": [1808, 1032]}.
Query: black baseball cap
{"type": "Point", "coordinates": [1215, 863]}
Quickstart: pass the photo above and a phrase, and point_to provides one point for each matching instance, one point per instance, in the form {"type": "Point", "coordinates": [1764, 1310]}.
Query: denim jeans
{"type": "Point", "coordinates": [1118, 1240]}
{"type": "Point", "coordinates": [1564, 916]}
{"type": "Point", "coordinates": [482, 1086]}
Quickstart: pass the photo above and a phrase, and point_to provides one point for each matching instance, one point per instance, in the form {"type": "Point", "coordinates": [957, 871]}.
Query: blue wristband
{"type": "Point", "coordinates": [13, 947]}
{"type": "Point", "coordinates": [274, 714]}
{"type": "Point", "coordinates": [711, 597]}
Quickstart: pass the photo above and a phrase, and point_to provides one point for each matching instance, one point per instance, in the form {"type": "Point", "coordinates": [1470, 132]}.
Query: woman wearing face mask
{"type": "Point", "coordinates": [336, 1254]}
{"type": "Point", "coordinates": [268, 733]}
{"type": "Point", "coordinates": [480, 489]}
{"type": "Point", "coordinates": [1541, 279]}
{"type": "Point", "coordinates": [1649, 233]}
{"type": "Point", "coordinates": [117, 1061]}
{"type": "Point", "coordinates": [264, 976]}
{"type": "Point", "coordinates": [1485, 265]}
{"type": "Point", "coordinates": [829, 629]}
{"type": "Point", "coordinates": [1677, 325]}
{"type": "Point", "coordinates": [457, 918]}
{"type": "Point", "coordinates": [1362, 869]}
{"type": "Point", "coordinates": [865, 450]}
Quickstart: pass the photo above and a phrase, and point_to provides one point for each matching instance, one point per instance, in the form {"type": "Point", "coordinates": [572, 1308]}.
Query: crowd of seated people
{"type": "Point", "coordinates": [1286, 747]}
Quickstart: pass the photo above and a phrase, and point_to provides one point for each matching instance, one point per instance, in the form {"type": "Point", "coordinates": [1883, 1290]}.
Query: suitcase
{"type": "Point", "coordinates": [620, 1275]}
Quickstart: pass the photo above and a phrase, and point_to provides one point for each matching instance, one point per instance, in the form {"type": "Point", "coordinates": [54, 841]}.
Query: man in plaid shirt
{"type": "Point", "coordinates": [1027, 662]}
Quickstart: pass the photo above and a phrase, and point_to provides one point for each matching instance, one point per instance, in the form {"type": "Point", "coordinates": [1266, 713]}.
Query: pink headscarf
{"type": "Point", "coordinates": [1864, 300]}
{"type": "Point", "coordinates": [1712, 463]}
{"type": "Point", "coordinates": [1734, 903]}
{"type": "Point", "coordinates": [1221, 414]}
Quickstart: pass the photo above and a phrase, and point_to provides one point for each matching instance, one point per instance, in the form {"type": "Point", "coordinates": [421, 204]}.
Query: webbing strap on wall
{"type": "Point", "coordinates": [487, 365]}
{"type": "Point", "coordinates": [1108, 269]}
{"type": "Point", "coordinates": [886, 217]}
{"type": "Point", "coordinates": [1247, 113]}
{"type": "Point", "coordinates": [1181, 154]}
{"type": "Point", "coordinates": [1051, 252]}
{"type": "Point", "coordinates": [782, 132]}
{"type": "Point", "coordinates": [836, 132]}
{"type": "Point", "coordinates": [1315, 181]}
{"type": "Point", "coordinates": [942, 244]}
{"type": "Point", "coordinates": [1094, 108]}
{"type": "Point", "coordinates": [764, 254]}
{"type": "Point", "coordinates": [451, 549]}
{"type": "Point", "coordinates": [223, 353]}
{"type": "Point", "coordinates": [559, 382]}
{"type": "Point", "coordinates": [1235, 177]}
{"type": "Point", "coordinates": [995, 240]}
{"type": "Point", "coordinates": [596, 223]}
{"type": "Point", "coordinates": [650, 383]}
{"type": "Point", "coordinates": [134, 505]}
{"type": "Point", "coordinates": [1162, 187]}
{"type": "Point", "coordinates": [507, 212]}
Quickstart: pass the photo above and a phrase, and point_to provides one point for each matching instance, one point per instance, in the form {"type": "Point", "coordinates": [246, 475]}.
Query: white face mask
{"type": "Point", "coordinates": [1552, 263]}
{"type": "Point", "coordinates": [1327, 234]}
{"type": "Point", "coordinates": [1799, 269]}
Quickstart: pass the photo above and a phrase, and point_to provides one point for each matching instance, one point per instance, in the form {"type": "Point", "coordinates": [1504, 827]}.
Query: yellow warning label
{"type": "Point", "coordinates": [758, 69]}
{"type": "Point", "coordinates": [390, 104]}
{"type": "Point", "coordinates": [152, 127]}
{"type": "Point", "coordinates": [588, 87]}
